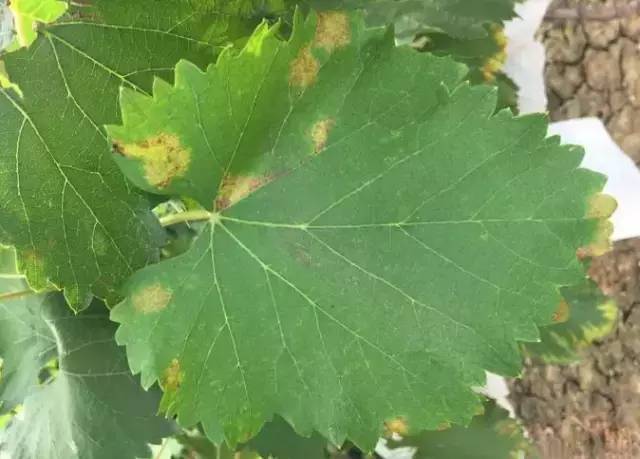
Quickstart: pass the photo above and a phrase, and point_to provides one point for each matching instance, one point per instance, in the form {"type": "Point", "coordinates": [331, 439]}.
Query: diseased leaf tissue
{"type": "Point", "coordinates": [352, 185]}
{"type": "Point", "coordinates": [375, 235]}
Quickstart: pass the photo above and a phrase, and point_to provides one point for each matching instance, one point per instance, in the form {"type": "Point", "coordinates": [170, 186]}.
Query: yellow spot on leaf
{"type": "Point", "coordinates": [152, 298]}
{"type": "Point", "coordinates": [162, 155]}
{"type": "Point", "coordinates": [236, 188]}
{"type": "Point", "coordinates": [320, 134]}
{"type": "Point", "coordinates": [601, 206]}
{"type": "Point", "coordinates": [601, 242]}
{"type": "Point", "coordinates": [397, 426]}
{"type": "Point", "coordinates": [303, 71]}
{"type": "Point", "coordinates": [562, 312]}
{"type": "Point", "coordinates": [444, 426]}
{"type": "Point", "coordinates": [591, 333]}
{"type": "Point", "coordinates": [332, 31]}
{"type": "Point", "coordinates": [494, 63]}
{"type": "Point", "coordinates": [173, 377]}
{"type": "Point", "coordinates": [497, 32]}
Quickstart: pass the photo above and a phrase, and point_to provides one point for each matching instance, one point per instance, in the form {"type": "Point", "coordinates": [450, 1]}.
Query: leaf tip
{"type": "Point", "coordinates": [601, 205]}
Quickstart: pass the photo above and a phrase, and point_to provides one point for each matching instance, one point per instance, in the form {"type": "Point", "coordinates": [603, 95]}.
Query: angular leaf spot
{"type": "Point", "coordinates": [601, 206]}
{"type": "Point", "coordinates": [163, 156]}
{"type": "Point", "coordinates": [236, 188]}
{"type": "Point", "coordinates": [320, 134]}
{"type": "Point", "coordinates": [397, 426]}
{"type": "Point", "coordinates": [304, 69]}
{"type": "Point", "coordinates": [494, 63]}
{"type": "Point", "coordinates": [562, 312]}
{"type": "Point", "coordinates": [601, 242]}
{"type": "Point", "coordinates": [152, 298]}
{"type": "Point", "coordinates": [173, 377]}
{"type": "Point", "coordinates": [332, 31]}
{"type": "Point", "coordinates": [443, 426]}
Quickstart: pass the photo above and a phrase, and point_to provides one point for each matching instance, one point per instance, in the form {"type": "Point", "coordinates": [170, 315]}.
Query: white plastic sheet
{"type": "Point", "coordinates": [525, 66]}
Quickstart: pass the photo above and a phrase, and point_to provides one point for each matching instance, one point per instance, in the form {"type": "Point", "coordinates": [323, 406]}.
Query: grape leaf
{"type": "Point", "coordinates": [93, 408]}
{"type": "Point", "coordinates": [278, 440]}
{"type": "Point", "coordinates": [584, 316]}
{"type": "Point", "coordinates": [66, 207]}
{"type": "Point", "coordinates": [484, 56]}
{"type": "Point", "coordinates": [24, 348]}
{"type": "Point", "coordinates": [458, 18]}
{"type": "Point", "coordinates": [379, 237]}
{"type": "Point", "coordinates": [28, 13]}
{"type": "Point", "coordinates": [491, 435]}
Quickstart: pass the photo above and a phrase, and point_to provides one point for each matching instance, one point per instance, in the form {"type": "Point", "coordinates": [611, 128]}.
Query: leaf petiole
{"type": "Point", "coordinates": [18, 294]}
{"type": "Point", "coordinates": [188, 216]}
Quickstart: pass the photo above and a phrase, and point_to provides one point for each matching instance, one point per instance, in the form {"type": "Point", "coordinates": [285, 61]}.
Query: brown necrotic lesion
{"type": "Point", "coordinates": [152, 298]}
{"type": "Point", "coordinates": [333, 30]}
{"type": "Point", "coordinates": [163, 158]}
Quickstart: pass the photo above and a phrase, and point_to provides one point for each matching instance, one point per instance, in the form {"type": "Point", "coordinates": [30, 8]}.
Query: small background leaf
{"type": "Point", "coordinates": [457, 18]}
{"type": "Point", "coordinates": [588, 316]}
{"type": "Point", "coordinates": [27, 14]}
{"type": "Point", "coordinates": [278, 439]}
{"type": "Point", "coordinates": [78, 398]}
{"type": "Point", "coordinates": [491, 435]}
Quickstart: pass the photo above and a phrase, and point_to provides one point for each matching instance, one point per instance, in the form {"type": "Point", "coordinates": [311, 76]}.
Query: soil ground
{"type": "Point", "coordinates": [591, 409]}
{"type": "Point", "coordinates": [593, 69]}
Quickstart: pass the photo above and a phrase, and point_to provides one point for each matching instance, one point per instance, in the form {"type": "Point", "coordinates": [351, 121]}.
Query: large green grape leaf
{"type": "Point", "coordinates": [491, 435]}
{"type": "Point", "coordinates": [458, 18]}
{"type": "Point", "coordinates": [379, 237]}
{"type": "Point", "coordinates": [93, 408]}
{"type": "Point", "coordinates": [584, 316]}
{"type": "Point", "coordinates": [71, 214]}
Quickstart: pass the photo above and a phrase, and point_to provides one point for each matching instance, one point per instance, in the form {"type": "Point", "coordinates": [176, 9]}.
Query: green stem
{"type": "Point", "coordinates": [189, 216]}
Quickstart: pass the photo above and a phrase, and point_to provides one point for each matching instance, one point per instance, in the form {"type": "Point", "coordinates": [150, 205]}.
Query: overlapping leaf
{"type": "Point", "coordinates": [93, 408]}
{"type": "Point", "coordinates": [379, 237]}
{"type": "Point", "coordinates": [66, 207]}
{"type": "Point", "coordinates": [277, 439]}
{"type": "Point", "coordinates": [491, 435]}
{"type": "Point", "coordinates": [458, 18]}
{"type": "Point", "coordinates": [28, 14]}
{"type": "Point", "coordinates": [584, 316]}
{"type": "Point", "coordinates": [24, 347]}
{"type": "Point", "coordinates": [485, 57]}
